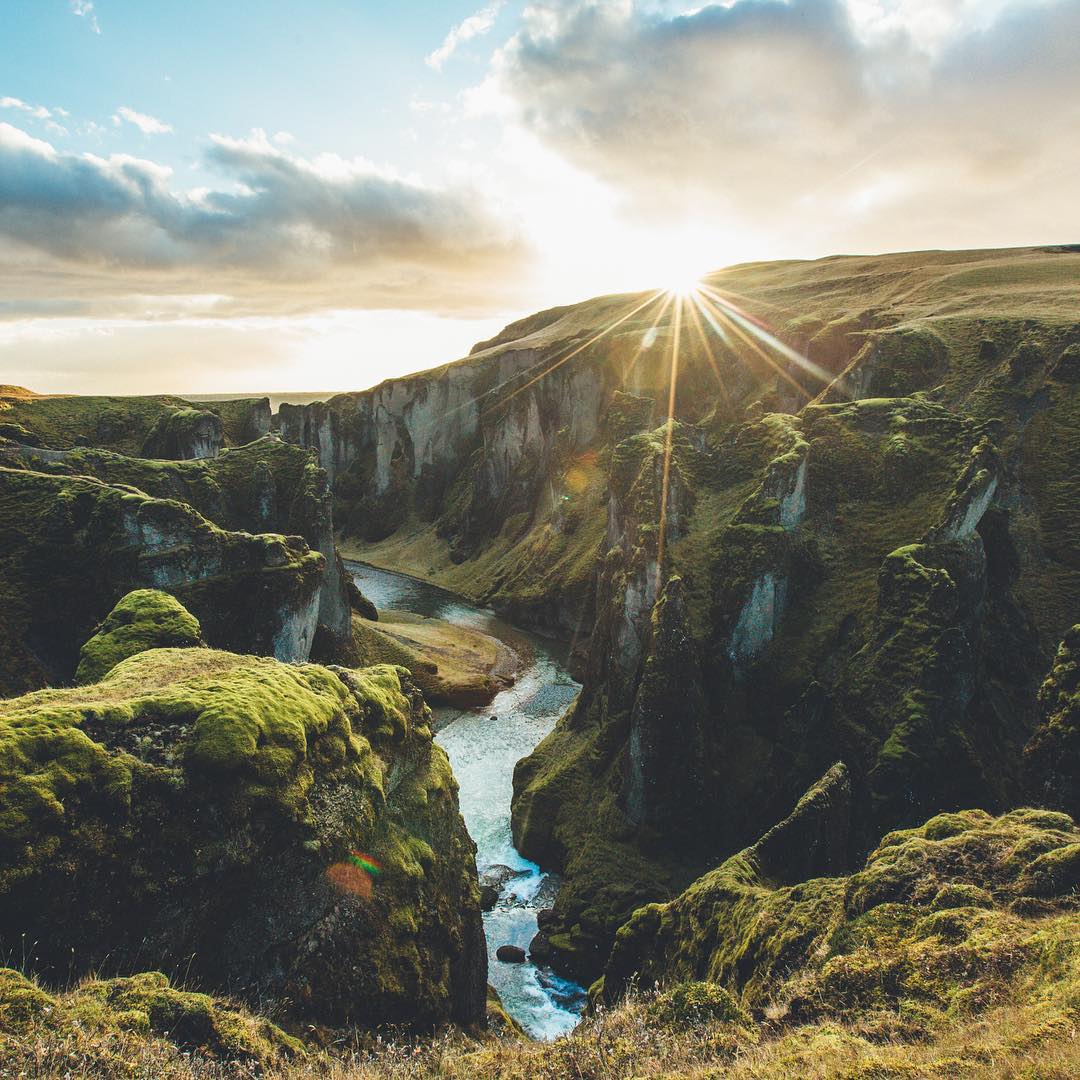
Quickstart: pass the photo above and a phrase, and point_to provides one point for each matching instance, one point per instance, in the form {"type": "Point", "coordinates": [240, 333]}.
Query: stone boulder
{"type": "Point", "coordinates": [286, 834]}
{"type": "Point", "coordinates": [144, 619]}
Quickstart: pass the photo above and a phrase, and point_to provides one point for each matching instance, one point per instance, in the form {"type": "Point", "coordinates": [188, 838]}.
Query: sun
{"type": "Point", "coordinates": [683, 285]}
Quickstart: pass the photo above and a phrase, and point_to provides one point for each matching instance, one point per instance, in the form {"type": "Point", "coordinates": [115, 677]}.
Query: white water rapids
{"type": "Point", "coordinates": [483, 753]}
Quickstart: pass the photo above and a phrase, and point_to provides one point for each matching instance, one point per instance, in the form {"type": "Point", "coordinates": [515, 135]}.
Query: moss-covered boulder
{"type": "Point", "coordinates": [937, 925]}
{"type": "Point", "coordinates": [288, 834]}
{"type": "Point", "coordinates": [144, 619]}
{"type": "Point", "coordinates": [71, 547]}
{"type": "Point", "coordinates": [1052, 758]}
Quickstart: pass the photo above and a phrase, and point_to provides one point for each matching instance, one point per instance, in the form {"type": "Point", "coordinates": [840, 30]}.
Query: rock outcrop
{"type": "Point", "coordinates": [1052, 757]}
{"type": "Point", "coordinates": [144, 619]}
{"type": "Point", "coordinates": [184, 434]}
{"type": "Point", "coordinates": [933, 926]}
{"type": "Point", "coordinates": [71, 547]}
{"type": "Point", "coordinates": [288, 834]}
{"type": "Point", "coordinates": [263, 487]}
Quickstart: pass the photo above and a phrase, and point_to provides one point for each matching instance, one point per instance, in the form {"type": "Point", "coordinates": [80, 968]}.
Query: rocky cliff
{"type": "Point", "coordinates": [262, 487]}
{"type": "Point", "coordinates": [287, 834]}
{"type": "Point", "coordinates": [71, 546]}
{"type": "Point", "coordinates": [484, 474]}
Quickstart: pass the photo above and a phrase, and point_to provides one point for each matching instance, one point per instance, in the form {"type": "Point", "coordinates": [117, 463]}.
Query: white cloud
{"type": "Point", "coordinates": [280, 232]}
{"type": "Point", "coordinates": [85, 9]}
{"type": "Point", "coordinates": [826, 124]}
{"type": "Point", "coordinates": [39, 112]}
{"type": "Point", "coordinates": [474, 26]}
{"type": "Point", "coordinates": [148, 125]}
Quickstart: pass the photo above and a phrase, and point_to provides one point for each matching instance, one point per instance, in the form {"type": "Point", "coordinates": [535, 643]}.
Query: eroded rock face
{"type": "Point", "coordinates": [284, 833]}
{"type": "Point", "coordinates": [70, 547]}
{"type": "Point", "coordinates": [184, 434]}
{"type": "Point", "coordinates": [791, 628]}
{"type": "Point", "coordinates": [263, 487]}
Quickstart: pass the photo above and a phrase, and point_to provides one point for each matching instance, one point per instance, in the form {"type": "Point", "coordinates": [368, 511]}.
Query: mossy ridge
{"type": "Point", "coordinates": [940, 924]}
{"type": "Point", "coordinates": [122, 423]}
{"type": "Point", "coordinates": [205, 794]}
{"type": "Point", "coordinates": [144, 619]}
{"type": "Point", "coordinates": [73, 546]}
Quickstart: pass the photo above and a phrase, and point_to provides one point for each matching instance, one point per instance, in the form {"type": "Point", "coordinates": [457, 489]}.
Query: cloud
{"type": "Point", "coordinates": [85, 9]}
{"type": "Point", "coordinates": [39, 112]}
{"type": "Point", "coordinates": [148, 125]}
{"type": "Point", "coordinates": [474, 26]}
{"type": "Point", "coordinates": [881, 123]}
{"type": "Point", "coordinates": [87, 234]}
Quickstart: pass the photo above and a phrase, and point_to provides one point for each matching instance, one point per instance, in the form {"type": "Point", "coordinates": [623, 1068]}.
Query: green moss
{"type": "Point", "coordinates": [146, 1003]}
{"type": "Point", "coordinates": [195, 803]}
{"type": "Point", "coordinates": [143, 1005]}
{"type": "Point", "coordinates": [930, 929]}
{"type": "Point", "coordinates": [698, 1004]}
{"type": "Point", "coordinates": [22, 1002]}
{"type": "Point", "coordinates": [144, 619]}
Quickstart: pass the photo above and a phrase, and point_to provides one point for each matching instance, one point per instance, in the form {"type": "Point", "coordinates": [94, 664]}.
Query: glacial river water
{"type": "Point", "coordinates": [483, 752]}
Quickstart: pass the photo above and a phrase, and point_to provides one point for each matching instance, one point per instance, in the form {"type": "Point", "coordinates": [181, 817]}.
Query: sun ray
{"type": "Point", "coordinates": [694, 309]}
{"type": "Point", "coordinates": [742, 333]}
{"type": "Point", "coordinates": [669, 436]}
{"type": "Point", "coordinates": [574, 352]}
{"type": "Point", "coordinates": [765, 335]}
{"type": "Point", "coordinates": [669, 299]}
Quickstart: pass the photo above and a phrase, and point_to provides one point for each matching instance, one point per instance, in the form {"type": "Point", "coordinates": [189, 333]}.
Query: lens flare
{"type": "Point", "coordinates": [351, 879]}
{"type": "Point", "coordinates": [365, 862]}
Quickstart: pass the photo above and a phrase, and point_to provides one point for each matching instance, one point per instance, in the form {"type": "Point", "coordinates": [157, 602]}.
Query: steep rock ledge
{"type": "Point", "coordinates": [70, 547]}
{"type": "Point", "coordinates": [263, 487]}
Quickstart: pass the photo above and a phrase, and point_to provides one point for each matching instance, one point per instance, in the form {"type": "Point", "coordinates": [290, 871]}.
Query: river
{"type": "Point", "coordinates": [483, 752]}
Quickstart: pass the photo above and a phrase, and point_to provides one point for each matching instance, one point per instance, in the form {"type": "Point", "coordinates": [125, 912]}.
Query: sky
{"type": "Point", "coordinates": [312, 195]}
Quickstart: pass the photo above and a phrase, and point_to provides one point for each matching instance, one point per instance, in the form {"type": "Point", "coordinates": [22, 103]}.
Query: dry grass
{"type": "Point", "coordinates": [1035, 1039]}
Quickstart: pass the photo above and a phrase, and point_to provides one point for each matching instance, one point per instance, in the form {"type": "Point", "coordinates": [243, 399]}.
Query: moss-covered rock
{"type": "Point", "coordinates": [144, 619]}
{"type": "Point", "coordinates": [1052, 757]}
{"type": "Point", "coordinates": [199, 811]}
{"type": "Point", "coordinates": [935, 927]}
{"type": "Point", "coordinates": [71, 547]}
{"type": "Point", "coordinates": [263, 487]}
